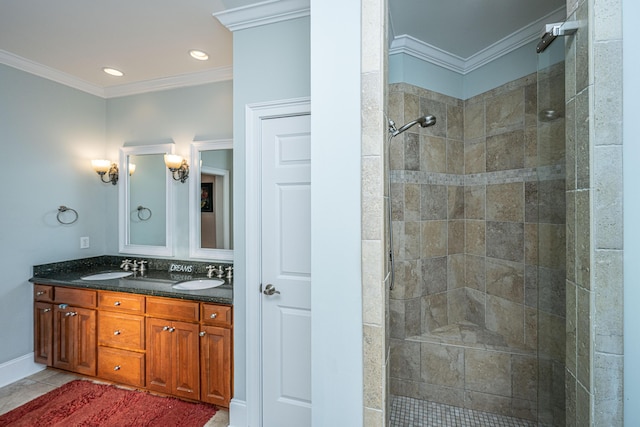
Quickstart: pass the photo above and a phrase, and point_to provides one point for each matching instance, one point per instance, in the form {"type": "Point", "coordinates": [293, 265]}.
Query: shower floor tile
{"type": "Point", "coordinates": [408, 412]}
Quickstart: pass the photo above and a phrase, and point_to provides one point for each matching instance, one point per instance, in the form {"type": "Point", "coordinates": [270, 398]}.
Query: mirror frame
{"type": "Point", "coordinates": [124, 210]}
{"type": "Point", "coordinates": [195, 250]}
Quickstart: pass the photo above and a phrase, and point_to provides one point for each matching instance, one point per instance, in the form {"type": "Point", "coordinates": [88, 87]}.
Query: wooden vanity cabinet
{"type": "Point", "coordinates": [121, 338]}
{"type": "Point", "coordinates": [173, 364]}
{"type": "Point", "coordinates": [43, 324]}
{"type": "Point", "coordinates": [216, 354]}
{"type": "Point", "coordinates": [74, 339]}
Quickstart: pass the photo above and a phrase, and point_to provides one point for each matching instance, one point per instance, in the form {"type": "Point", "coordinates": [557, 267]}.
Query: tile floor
{"type": "Point", "coordinates": [408, 412]}
{"type": "Point", "coordinates": [20, 392]}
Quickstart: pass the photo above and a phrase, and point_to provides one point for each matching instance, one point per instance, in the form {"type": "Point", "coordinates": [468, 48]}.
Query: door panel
{"type": "Point", "coordinates": [286, 265]}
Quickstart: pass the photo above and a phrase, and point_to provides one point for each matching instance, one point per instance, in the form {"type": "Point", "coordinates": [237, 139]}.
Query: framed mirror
{"type": "Point", "coordinates": [145, 205]}
{"type": "Point", "coordinates": [211, 200]}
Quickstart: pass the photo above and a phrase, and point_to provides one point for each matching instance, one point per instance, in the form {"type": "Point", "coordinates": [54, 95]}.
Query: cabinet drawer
{"type": "Point", "coordinates": [219, 315]}
{"type": "Point", "coordinates": [173, 309]}
{"type": "Point", "coordinates": [121, 330]}
{"type": "Point", "coordinates": [121, 366]}
{"type": "Point", "coordinates": [120, 301]}
{"type": "Point", "coordinates": [76, 297]}
{"type": "Point", "coordinates": [43, 293]}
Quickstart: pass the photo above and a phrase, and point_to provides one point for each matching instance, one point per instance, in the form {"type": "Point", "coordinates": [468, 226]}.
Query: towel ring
{"type": "Point", "coordinates": [63, 209]}
{"type": "Point", "coordinates": [141, 216]}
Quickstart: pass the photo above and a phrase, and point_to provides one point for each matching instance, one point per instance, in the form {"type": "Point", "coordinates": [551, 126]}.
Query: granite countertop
{"type": "Point", "coordinates": [155, 281]}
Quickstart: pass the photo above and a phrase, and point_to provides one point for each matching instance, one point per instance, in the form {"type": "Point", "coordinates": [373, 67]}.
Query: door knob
{"type": "Point", "coordinates": [270, 290]}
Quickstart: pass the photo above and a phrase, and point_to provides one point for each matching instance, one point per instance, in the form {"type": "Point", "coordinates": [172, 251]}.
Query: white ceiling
{"type": "Point", "coordinates": [149, 40]}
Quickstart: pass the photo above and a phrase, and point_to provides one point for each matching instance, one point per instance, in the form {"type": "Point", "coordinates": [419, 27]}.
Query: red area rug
{"type": "Point", "coordinates": [83, 403]}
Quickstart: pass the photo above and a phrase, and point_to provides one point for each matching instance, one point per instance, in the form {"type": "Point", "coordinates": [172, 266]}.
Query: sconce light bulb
{"type": "Point", "coordinates": [132, 168]}
{"type": "Point", "coordinates": [101, 165]}
{"type": "Point", "coordinates": [173, 161]}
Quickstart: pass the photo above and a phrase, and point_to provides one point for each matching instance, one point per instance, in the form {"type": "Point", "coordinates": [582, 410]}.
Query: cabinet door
{"type": "Point", "coordinates": [187, 360]}
{"type": "Point", "coordinates": [43, 333]}
{"type": "Point", "coordinates": [159, 355]}
{"type": "Point", "coordinates": [74, 339]}
{"type": "Point", "coordinates": [63, 338]}
{"type": "Point", "coordinates": [215, 362]}
{"type": "Point", "coordinates": [85, 341]}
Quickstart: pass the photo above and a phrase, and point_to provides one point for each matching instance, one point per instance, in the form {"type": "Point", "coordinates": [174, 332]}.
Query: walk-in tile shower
{"type": "Point", "coordinates": [477, 313]}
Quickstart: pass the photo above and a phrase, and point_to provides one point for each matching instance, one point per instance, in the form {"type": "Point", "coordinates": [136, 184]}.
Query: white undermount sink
{"type": "Point", "coordinates": [198, 284]}
{"type": "Point", "coordinates": [108, 275]}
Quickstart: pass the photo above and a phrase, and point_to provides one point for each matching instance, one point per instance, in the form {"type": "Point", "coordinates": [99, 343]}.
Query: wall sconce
{"type": "Point", "coordinates": [177, 164]}
{"type": "Point", "coordinates": [103, 167]}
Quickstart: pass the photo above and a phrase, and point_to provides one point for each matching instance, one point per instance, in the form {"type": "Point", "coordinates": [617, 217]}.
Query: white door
{"type": "Point", "coordinates": [286, 271]}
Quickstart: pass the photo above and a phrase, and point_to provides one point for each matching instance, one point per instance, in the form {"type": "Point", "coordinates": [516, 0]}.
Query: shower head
{"type": "Point", "coordinates": [424, 121]}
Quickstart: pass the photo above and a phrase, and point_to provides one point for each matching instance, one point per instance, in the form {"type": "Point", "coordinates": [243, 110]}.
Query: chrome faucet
{"type": "Point", "coordinates": [210, 270]}
{"type": "Point", "coordinates": [229, 271]}
{"type": "Point", "coordinates": [126, 264]}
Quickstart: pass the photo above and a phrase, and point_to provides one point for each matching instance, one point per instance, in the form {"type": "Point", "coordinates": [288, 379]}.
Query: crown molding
{"type": "Point", "coordinates": [173, 82]}
{"type": "Point", "coordinates": [32, 67]}
{"type": "Point", "coordinates": [263, 13]}
{"type": "Point", "coordinates": [426, 52]}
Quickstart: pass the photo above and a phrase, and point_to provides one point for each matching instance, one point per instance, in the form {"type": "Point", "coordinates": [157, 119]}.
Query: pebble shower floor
{"type": "Point", "coordinates": [408, 412]}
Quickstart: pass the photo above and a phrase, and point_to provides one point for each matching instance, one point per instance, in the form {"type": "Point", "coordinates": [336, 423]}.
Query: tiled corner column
{"type": "Point", "coordinates": [374, 293]}
{"type": "Point", "coordinates": [594, 221]}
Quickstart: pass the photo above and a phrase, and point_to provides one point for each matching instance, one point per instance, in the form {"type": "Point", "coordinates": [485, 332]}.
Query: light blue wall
{"type": "Point", "coordinates": [49, 133]}
{"type": "Point", "coordinates": [183, 115]}
{"type": "Point", "coordinates": [270, 62]}
{"type": "Point", "coordinates": [518, 63]}
{"type": "Point", "coordinates": [631, 155]}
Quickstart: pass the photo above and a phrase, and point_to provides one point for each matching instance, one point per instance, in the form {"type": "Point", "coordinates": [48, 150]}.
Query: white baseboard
{"type": "Point", "coordinates": [18, 368]}
{"type": "Point", "coordinates": [238, 413]}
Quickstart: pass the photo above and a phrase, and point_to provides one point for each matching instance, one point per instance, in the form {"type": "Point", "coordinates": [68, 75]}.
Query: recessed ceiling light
{"type": "Point", "coordinates": [113, 72]}
{"type": "Point", "coordinates": [199, 55]}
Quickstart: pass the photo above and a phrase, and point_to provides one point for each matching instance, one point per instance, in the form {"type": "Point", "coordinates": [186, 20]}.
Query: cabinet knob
{"type": "Point", "coordinates": [214, 315]}
{"type": "Point", "coordinates": [172, 329]}
{"type": "Point", "coordinates": [116, 368]}
{"type": "Point", "coordinates": [116, 332]}
{"type": "Point", "coordinates": [40, 293]}
{"type": "Point", "coordinates": [46, 310]}
{"type": "Point", "coordinates": [203, 333]}
{"type": "Point", "coordinates": [117, 303]}
{"type": "Point", "coordinates": [71, 313]}
{"type": "Point", "coordinates": [166, 328]}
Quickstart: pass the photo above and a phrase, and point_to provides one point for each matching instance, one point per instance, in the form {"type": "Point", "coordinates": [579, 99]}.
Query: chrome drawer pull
{"type": "Point", "coordinates": [203, 333]}
{"type": "Point", "coordinates": [40, 293]}
{"type": "Point", "coordinates": [46, 310]}
{"type": "Point", "coordinates": [117, 368]}
{"type": "Point", "coordinates": [214, 315]}
{"type": "Point", "coordinates": [117, 303]}
{"type": "Point", "coordinates": [116, 332]}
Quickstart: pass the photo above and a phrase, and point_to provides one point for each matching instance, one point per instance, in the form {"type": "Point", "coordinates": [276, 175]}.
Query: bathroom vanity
{"type": "Point", "coordinates": [138, 331]}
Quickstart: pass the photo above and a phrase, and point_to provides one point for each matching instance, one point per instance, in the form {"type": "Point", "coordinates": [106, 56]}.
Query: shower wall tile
{"type": "Point", "coordinates": [583, 69]}
{"type": "Point", "coordinates": [434, 275]}
{"type": "Point", "coordinates": [505, 151]}
{"type": "Point", "coordinates": [608, 374]}
{"type": "Point", "coordinates": [505, 279]}
{"type": "Point", "coordinates": [488, 402]}
{"type": "Point", "coordinates": [505, 240]}
{"type": "Point", "coordinates": [552, 292]}
{"type": "Point", "coordinates": [608, 197]}
{"type": "Point", "coordinates": [571, 328]}
{"type": "Point", "coordinates": [456, 305]}
{"type": "Point", "coordinates": [531, 244]}
{"type": "Point", "coordinates": [552, 201]}
{"type": "Point", "coordinates": [531, 147]}
{"type": "Point", "coordinates": [433, 154]}
{"type": "Point", "coordinates": [396, 155]}
{"type": "Point", "coordinates": [411, 109]}
{"type": "Point", "coordinates": [524, 377]}
{"type": "Point", "coordinates": [456, 202]}
{"type": "Point", "coordinates": [434, 239]}
{"type": "Point", "coordinates": [474, 121]}
{"type": "Point", "coordinates": [396, 318]}
{"type": "Point", "coordinates": [583, 338]}
{"type": "Point", "coordinates": [455, 122]}
{"type": "Point", "coordinates": [455, 271]}
{"type": "Point", "coordinates": [475, 308]}
{"type": "Point", "coordinates": [373, 345]}
{"type": "Point", "coordinates": [455, 237]}
{"type": "Point", "coordinates": [455, 157]}
{"type": "Point", "coordinates": [474, 201]}
{"type": "Point", "coordinates": [531, 105]}
{"type": "Point", "coordinates": [397, 201]}
{"type": "Point", "coordinates": [531, 286]}
{"type": "Point", "coordinates": [488, 372]}
{"type": "Point", "coordinates": [505, 112]}
{"type": "Point", "coordinates": [552, 247]}
{"type": "Point", "coordinates": [530, 328]}
{"type": "Point", "coordinates": [551, 150]}
{"type": "Point", "coordinates": [443, 365]}
{"type": "Point", "coordinates": [609, 298]}
{"type": "Point", "coordinates": [583, 238]}
{"type": "Point", "coordinates": [475, 237]}
{"type": "Point", "coordinates": [434, 200]}
{"type": "Point", "coordinates": [475, 156]}
{"type": "Point", "coordinates": [570, 399]}
{"type": "Point", "coordinates": [407, 353]}
{"type": "Point", "coordinates": [434, 312]}
{"type": "Point", "coordinates": [506, 318]}
{"type": "Point", "coordinates": [505, 202]}
{"type": "Point", "coordinates": [583, 406]}
{"type": "Point", "coordinates": [411, 202]}
{"type": "Point", "coordinates": [571, 235]}
{"type": "Point", "coordinates": [583, 165]}
{"type": "Point", "coordinates": [411, 151]}
{"type": "Point", "coordinates": [475, 272]}
{"type": "Point", "coordinates": [413, 317]}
